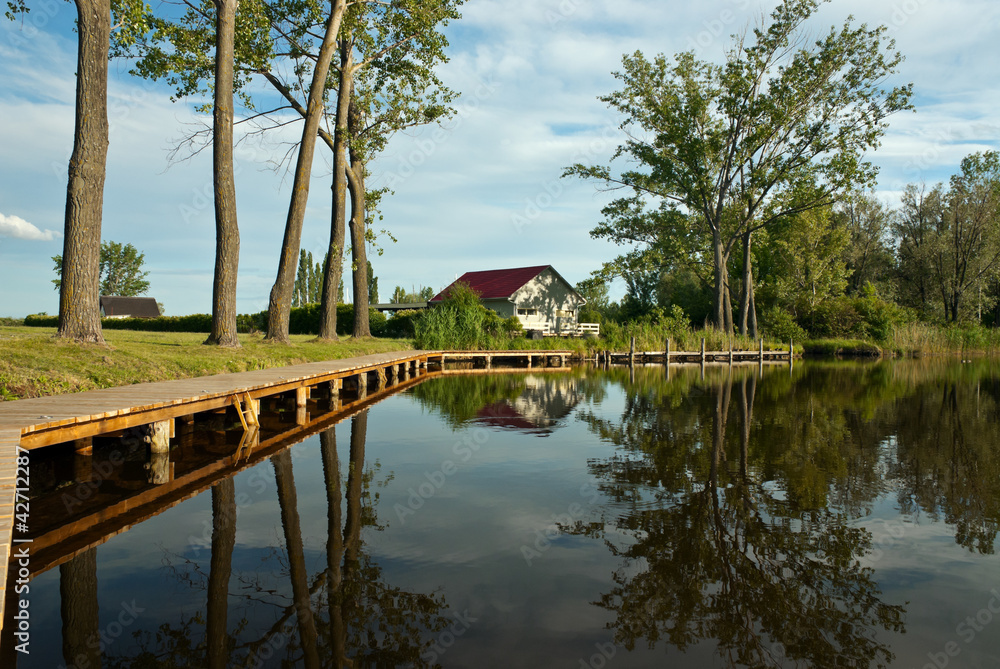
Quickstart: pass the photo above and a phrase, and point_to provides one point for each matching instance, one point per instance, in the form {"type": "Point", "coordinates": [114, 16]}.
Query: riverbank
{"type": "Point", "coordinates": [33, 363]}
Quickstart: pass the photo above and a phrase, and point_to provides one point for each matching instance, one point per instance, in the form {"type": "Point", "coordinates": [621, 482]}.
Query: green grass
{"type": "Point", "coordinates": [34, 363]}
{"type": "Point", "coordinates": [848, 347]}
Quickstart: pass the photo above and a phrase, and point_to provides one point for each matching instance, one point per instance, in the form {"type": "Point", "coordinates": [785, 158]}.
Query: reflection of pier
{"type": "Point", "coordinates": [668, 356]}
{"type": "Point", "coordinates": [162, 410]}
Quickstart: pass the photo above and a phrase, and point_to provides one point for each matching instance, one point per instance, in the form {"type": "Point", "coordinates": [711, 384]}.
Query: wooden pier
{"type": "Point", "coordinates": [161, 409]}
{"type": "Point", "coordinates": [667, 356]}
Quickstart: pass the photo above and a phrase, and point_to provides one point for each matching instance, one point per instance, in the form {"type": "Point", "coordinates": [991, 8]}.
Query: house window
{"type": "Point", "coordinates": [565, 313]}
{"type": "Point", "coordinates": [527, 312]}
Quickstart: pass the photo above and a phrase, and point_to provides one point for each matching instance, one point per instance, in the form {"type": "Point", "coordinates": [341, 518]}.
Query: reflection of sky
{"type": "Point", "coordinates": [468, 541]}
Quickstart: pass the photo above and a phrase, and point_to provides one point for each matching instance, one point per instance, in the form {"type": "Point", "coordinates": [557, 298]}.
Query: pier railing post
{"type": "Point", "coordinates": [631, 351]}
{"type": "Point", "coordinates": [666, 352]}
{"type": "Point", "coordinates": [703, 350]}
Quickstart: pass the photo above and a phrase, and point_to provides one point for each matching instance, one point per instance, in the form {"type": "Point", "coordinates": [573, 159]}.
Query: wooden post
{"type": "Point", "coordinates": [631, 351]}
{"type": "Point", "coordinates": [301, 396]}
{"type": "Point", "coordinates": [301, 415]}
{"type": "Point", "coordinates": [336, 385]}
{"type": "Point", "coordinates": [730, 354]}
{"type": "Point", "coordinates": [159, 468]}
{"type": "Point", "coordinates": [83, 466]}
{"type": "Point", "coordinates": [362, 378]}
{"type": "Point", "coordinates": [790, 349]}
{"type": "Point", "coordinates": [762, 349]}
{"type": "Point", "coordinates": [380, 374]}
{"type": "Point", "coordinates": [84, 446]}
{"type": "Point", "coordinates": [703, 351]}
{"type": "Point", "coordinates": [666, 352]}
{"type": "Point", "coordinates": [160, 438]}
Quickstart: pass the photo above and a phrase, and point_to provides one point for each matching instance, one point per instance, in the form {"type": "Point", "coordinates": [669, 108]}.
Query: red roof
{"type": "Point", "coordinates": [495, 283]}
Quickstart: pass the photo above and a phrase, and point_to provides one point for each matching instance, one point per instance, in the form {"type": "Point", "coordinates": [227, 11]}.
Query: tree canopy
{"type": "Point", "coordinates": [120, 270]}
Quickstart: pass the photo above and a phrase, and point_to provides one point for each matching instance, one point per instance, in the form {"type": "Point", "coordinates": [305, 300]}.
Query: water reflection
{"type": "Point", "coordinates": [345, 615]}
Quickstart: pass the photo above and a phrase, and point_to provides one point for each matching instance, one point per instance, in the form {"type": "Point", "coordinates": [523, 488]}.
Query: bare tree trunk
{"type": "Point", "coordinates": [223, 541]}
{"type": "Point", "coordinates": [722, 309]}
{"type": "Point", "coordinates": [79, 292]}
{"type": "Point", "coordinates": [80, 619]}
{"type": "Point", "coordinates": [227, 232]}
{"type": "Point", "coordinates": [335, 254]}
{"type": "Point", "coordinates": [287, 500]}
{"type": "Point", "coordinates": [359, 255]}
{"type": "Point", "coordinates": [280, 302]}
{"type": "Point", "coordinates": [748, 305]}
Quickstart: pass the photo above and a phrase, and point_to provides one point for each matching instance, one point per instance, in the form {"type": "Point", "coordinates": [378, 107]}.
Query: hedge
{"type": "Point", "coordinates": [302, 320]}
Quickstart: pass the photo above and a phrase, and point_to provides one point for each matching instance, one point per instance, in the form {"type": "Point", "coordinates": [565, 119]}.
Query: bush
{"type": "Point", "coordinates": [401, 325]}
{"type": "Point", "coordinates": [462, 322]}
{"type": "Point", "coordinates": [779, 325]}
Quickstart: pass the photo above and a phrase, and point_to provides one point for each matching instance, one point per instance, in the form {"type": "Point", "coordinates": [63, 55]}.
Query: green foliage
{"type": "Point", "coordinates": [777, 323]}
{"type": "Point", "coordinates": [402, 324]}
{"type": "Point", "coordinates": [120, 268]}
{"type": "Point", "coordinates": [714, 151]}
{"type": "Point", "coordinates": [462, 322]}
{"type": "Point", "coordinates": [308, 280]}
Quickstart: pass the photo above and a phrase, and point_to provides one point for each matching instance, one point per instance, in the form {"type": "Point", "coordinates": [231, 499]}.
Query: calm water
{"type": "Point", "coordinates": [838, 515]}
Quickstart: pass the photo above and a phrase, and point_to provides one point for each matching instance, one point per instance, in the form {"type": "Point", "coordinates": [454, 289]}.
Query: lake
{"type": "Point", "coordinates": [827, 515]}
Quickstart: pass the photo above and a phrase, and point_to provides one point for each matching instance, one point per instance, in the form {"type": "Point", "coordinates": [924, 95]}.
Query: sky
{"type": "Point", "coordinates": [483, 191]}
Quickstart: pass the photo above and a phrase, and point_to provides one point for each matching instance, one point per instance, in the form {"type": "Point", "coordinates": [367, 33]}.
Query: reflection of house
{"type": "Point", "coordinates": [545, 401]}
{"type": "Point", "coordinates": [539, 297]}
{"type": "Point", "coordinates": [129, 307]}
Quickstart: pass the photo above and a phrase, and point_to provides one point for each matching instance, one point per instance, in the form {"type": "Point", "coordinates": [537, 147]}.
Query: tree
{"type": "Point", "coordinates": [915, 230]}
{"type": "Point", "coordinates": [372, 285]}
{"type": "Point", "coordinates": [120, 270]}
{"type": "Point", "coordinates": [227, 232]}
{"type": "Point", "coordinates": [308, 280]}
{"type": "Point", "coordinates": [868, 255]}
{"type": "Point", "coordinates": [721, 143]}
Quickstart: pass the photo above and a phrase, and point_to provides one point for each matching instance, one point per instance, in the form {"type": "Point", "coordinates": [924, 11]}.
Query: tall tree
{"type": "Point", "coordinates": [280, 302]}
{"type": "Point", "coordinates": [79, 296]}
{"type": "Point", "coordinates": [722, 142]}
{"type": "Point", "coordinates": [915, 230]}
{"type": "Point", "coordinates": [227, 232]}
{"type": "Point", "coordinates": [869, 255]}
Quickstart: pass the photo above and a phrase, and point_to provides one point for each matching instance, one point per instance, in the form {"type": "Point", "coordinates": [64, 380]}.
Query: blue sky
{"type": "Point", "coordinates": [482, 193]}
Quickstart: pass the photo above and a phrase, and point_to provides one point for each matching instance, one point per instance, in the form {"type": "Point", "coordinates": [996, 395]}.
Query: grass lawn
{"type": "Point", "coordinates": [33, 363]}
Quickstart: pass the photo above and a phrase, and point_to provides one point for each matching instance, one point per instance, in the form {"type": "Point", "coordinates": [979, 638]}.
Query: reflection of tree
{"type": "Point", "coordinates": [715, 552]}
{"type": "Point", "coordinates": [78, 595]}
{"type": "Point", "coordinates": [346, 615]}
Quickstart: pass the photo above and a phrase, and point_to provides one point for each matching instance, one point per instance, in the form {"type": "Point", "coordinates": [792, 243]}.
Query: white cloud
{"type": "Point", "coordinates": [18, 228]}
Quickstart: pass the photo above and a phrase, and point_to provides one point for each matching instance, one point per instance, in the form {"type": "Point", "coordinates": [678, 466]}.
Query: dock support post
{"type": "Point", "coordinates": [666, 352]}
{"type": "Point", "coordinates": [160, 438]}
{"type": "Point", "coordinates": [301, 415]}
{"type": "Point", "coordinates": [631, 351]}
{"type": "Point", "coordinates": [301, 396]}
{"type": "Point", "coordinates": [489, 362]}
{"type": "Point", "coordinates": [762, 349]}
{"type": "Point", "coordinates": [84, 446]}
{"type": "Point", "coordinates": [336, 385]}
{"type": "Point", "coordinates": [362, 384]}
{"type": "Point", "coordinates": [83, 464]}
{"type": "Point", "coordinates": [380, 376]}
{"type": "Point", "coordinates": [529, 361]}
{"type": "Point", "coordinates": [790, 349]}
{"type": "Point", "coordinates": [702, 350]}
{"type": "Point", "coordinates": [730, 353]}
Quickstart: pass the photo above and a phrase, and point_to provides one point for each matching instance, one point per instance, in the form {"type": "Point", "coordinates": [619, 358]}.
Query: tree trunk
{"type": "Point", "coordinates": [748, 307]}
{"type": "Point", "coordinates": [359, 255]}
{"type": "Point", "coordinates": [78, 597]}
{"type": "Point", "coordinates": [335, 254]}
{"type": "Point", "coordinates": [223, 541]}
{"type": "Point", "coordinates": [722, 309]}
{"type": "Point", "coordinates": [280, 302]}
{"type": "Point", "coordinates": [79, 292]}
{"type": "Point", "coordinates": [288, 502]}
{"type": "Point", "coordinates": [227, 232]}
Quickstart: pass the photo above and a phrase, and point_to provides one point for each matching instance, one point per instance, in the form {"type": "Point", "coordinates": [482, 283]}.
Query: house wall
{"type": "Point", "coordinates": [553, 300]}
{"type": "Point", "coordinates": [504, 308]}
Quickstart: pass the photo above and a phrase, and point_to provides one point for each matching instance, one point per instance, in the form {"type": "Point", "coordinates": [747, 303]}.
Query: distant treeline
{"type": "Point", "coordinates": [302, 320]}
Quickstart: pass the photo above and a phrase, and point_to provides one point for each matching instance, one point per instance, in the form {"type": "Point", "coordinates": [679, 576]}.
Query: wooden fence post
{"type": "Point", "coordinates": [631, 351]}
{"type": "Point", "coordinates": [703, 350]}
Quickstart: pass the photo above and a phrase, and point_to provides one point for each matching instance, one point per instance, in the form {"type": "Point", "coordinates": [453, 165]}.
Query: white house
{"type": "Point", "coordinates": [539, 296]}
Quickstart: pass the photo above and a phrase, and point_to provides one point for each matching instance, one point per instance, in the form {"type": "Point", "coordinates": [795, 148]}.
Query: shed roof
{"type": "Point", "coordinates": [495, 284]}
{"type": "Point", "coordinates": [135, 307]}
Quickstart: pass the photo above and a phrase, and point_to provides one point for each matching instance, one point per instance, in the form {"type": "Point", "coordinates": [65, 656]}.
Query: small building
{"type": "Point", "coordinates": [129, 307]}
{"type": "Point", "coordinates": [539, 296]}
